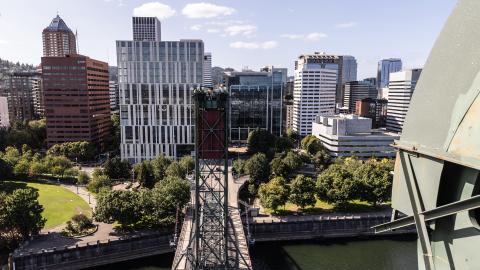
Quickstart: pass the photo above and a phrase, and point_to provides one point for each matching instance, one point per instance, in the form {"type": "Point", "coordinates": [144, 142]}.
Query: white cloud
{"type": "Point", "coordinates": [346, 25]}
{"type": "Point", "coordinates": [206, 10]}
{"type": "Point", "coordinates": [315, 36]}
{"type": "Point", "coordinates": [242, 29]}
{"type": "Point", "coordinates": [307, 37]}
{"type": "Point", "coordinates": [254, 45]}
{"type": "Point", "coordinates": [196, 27]}
{"type": "Point", "coordinates": [213, 30]}
{"type": "Point", "coordinates": [3, 42]}
{"type": "Point", "coordinates": [292, 36]}
{"type": "Point", "coordinates": [154, 9]}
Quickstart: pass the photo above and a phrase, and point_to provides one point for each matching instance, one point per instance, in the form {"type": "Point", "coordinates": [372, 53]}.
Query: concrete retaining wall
{"type": "Point", "coordinates": [304, 227]}
{"type": "Point", "coordinates": [101, 253]}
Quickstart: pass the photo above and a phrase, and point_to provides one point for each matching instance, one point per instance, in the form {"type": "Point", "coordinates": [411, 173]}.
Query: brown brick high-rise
{"type": "Point", "coordinates": [77, 104]}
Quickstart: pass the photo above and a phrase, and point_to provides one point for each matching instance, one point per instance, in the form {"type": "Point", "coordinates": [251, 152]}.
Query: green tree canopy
{"type": "Point", "coordinates": [260, 141]}
{"type": "Point", "coordinates": [175, 169]}
{"type": "Point", "coordinates": [258, 168]}
{"type": "Point", "coordinates": [374, 180]}
{"type": "Point", "coordinates": [116, 168]}
{"type": "Point", "coordinates": [21, 212]}
{"type": "Point", "coordinates": [336, 185]}
{"type": "Point", "coordinates": [187, 163]}
{"type": "Point", "coordinates": [159, 167]}
{"type": "Point", "coordinates": [118, 205]}
{"type": "Point", "coordinates": [302, 191]}
{"type": "Point", "coordinates": [144, 174]}
{"type": "Point", "coordinates": [274, 193]}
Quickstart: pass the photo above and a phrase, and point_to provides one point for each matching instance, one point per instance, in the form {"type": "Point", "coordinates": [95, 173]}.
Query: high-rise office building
{"type": "Point", "coordinates": [37, 92]}
{"type": "Point", "coordinates": [401, 87]}
{"type": "Point", "coordinates": [385, 67]}
{"type": "Point", "coordinates": [146, 29]}
{"type": "Point", "coordinates": [19, 92]}
{"type": "Point", "coordinates": [357, 90]}
{"type": "Point", "coordinates": [77, 105]}
{"type": "Point", "coordinates": [113, 94]}
{"type": "Point", "coordinates": [207, 70]}
{"type": "Point", "coordinates": [314, 89]}
{"type": "Point", "coordinates": [4, 119]}
{"type": "Point", "coordinates": [255, 101]}
{"type": "Point", "coordinates": [156, 80]}
{"type": "Point", "coordinates": [349, 68]}
{"type": "Point", "coordinates": [58, 39]}
{"type": "Point", "coordinates": [373, 108]}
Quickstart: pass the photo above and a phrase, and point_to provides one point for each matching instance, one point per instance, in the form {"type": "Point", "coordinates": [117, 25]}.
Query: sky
{"type": "Point", "coordinates": [240, 34]}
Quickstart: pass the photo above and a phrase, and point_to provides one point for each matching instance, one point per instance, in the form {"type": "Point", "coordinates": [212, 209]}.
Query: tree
{"type": "Point", "coordinates": [81, 151]}
{"type": "Point", "coordinates": [239, 166]}
{"type": "Point", "coordinates": [279, 168]}
{"type": "Point", "coordinates": [283, 144]}
{"type": "Point", "coordinates": [311, 144]}
{"type": "Point", "coordinates": [336, 185]}
{"type": "Point", "coordinates": [258, 168]}
{"type": "Point", "coordinates": [118, 205]}
{"type": "Point", "coordinates": [159, 167]}
{"type": "Point", "coordinates": [21, 211]}
{"type": "Point", "coordinates": [5, 169]}
{"type": "Point", "coordinates": [375, 181]}
{"type": "Point", "coordinates": [321, 160]}
{"type": "Point", "coordinates": [160, 204]}
{"type": "Point", "coordinates": [98, 182]}
{"type": "Point", "coordinates": [144, 174]}
{"type": "Point", "coordinates": [260, 141]}
{"type": "Point", "coordinates": [83, 178]}
{"type": "Point", "coordinates": [302, 191]}
{"type": "Point", "coordinates": [116, 168]}
{"type": "Point", "coordinates": [175, 169]}
{"type": "Point", "coordinates": [274, 193]}
{"type": "Point", "coordinates": [292, 135]}
{"type": "Point", "coordinates": [187, 163]}
{"type": "Point", "coordinates": [293, 161]}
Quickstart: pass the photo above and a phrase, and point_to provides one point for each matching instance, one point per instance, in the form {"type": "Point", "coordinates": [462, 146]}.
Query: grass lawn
{"type": "Point", "coordinates": [324, 207]}
{"type": "Point", "coordinates": [59, 203]}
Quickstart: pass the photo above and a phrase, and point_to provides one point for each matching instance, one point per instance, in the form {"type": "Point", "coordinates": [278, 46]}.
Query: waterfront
{"type": "Point", "coordinates": [379, 254]}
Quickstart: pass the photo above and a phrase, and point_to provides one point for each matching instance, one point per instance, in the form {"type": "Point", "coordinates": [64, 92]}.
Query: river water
{"type": "Point", "coordinates": [379, 254]}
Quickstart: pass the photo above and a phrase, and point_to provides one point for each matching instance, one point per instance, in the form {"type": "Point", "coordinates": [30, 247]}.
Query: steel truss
{"type": "Point", "coordinates": [212, 243]}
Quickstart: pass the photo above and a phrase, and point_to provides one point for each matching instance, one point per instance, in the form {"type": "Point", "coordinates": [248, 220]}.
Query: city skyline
{"type": "Point", "coordinates": [238, 34]}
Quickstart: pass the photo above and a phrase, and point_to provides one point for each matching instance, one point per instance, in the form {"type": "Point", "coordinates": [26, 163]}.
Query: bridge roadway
{"type": "Point", "coordinates": [237, 231]}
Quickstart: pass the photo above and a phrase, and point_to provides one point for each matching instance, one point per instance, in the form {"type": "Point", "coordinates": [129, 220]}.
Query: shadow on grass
{"type": "Point", "coordinates": [10, 186]}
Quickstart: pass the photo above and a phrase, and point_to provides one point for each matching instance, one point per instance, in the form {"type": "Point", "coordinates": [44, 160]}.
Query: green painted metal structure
{"type": "Point", "coordinates": [437, 180]}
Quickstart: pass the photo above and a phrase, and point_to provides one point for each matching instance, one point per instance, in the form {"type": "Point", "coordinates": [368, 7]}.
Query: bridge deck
{"type": "Point", "coordinates": [238, 250]}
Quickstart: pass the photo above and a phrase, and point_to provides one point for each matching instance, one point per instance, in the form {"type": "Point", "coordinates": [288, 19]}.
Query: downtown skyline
{"type": "Point", "coordinates": [238, 34]}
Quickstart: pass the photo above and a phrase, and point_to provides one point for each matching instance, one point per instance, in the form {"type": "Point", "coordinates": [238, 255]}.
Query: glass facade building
{"type": "Point", "coordinates": [155, 81]}
{"type": "Point", "coordinates": [255, 102]}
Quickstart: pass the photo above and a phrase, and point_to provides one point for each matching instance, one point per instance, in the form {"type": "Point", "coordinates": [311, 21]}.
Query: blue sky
{"type": "Point", "coordinates": [239, 34]}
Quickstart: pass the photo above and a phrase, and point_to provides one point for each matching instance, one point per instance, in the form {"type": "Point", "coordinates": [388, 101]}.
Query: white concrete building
{"type": "Point", "coordinates": [113, 93]}
{"type": "Point", "coordinates": [348, 135]}
{"type": "Point", "coordinates": [156, 80]}
{"type": "Point", "coordinates": [207, 70]}
{"type": "Point", "coordinates": [400, 90]}
{"type": "Point", "coordinates": [4, 120]}
{"type": "Point", "coordinates": [314, 90]}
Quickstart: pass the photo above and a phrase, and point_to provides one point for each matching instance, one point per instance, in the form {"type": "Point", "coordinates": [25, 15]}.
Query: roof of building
{"type": "Point", "coordinates": [58, 24]}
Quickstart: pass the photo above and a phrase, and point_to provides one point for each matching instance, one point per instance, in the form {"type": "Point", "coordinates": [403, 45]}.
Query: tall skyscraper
{"type": "Point", "coordinates": [316, 77]}
{"type": "Point", "coordinates": [76, 100]}
{"type": "Point", "coordinates": [207, 70]}
{"type": "Point", "coordinates": [4, 119]}
{"type": "Point", "coordinates": [146, 29]}
{"type": "Point", "coordinates": [356, 91]}
{"type": "Point", "coordinates": [58, 39]}
{"type": "Point", "coordinates": [385, 67]}
{"type": "Point", "coordinates": [19, 92]}
{"type": "Point", "coordinates": [400, 90]}
{"type": "Point", "coordinates": [349, 68]}
{"type": "Point", "coordinates": [255, 101]}
{"type": "Point", "coordinates": [156, 80]}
